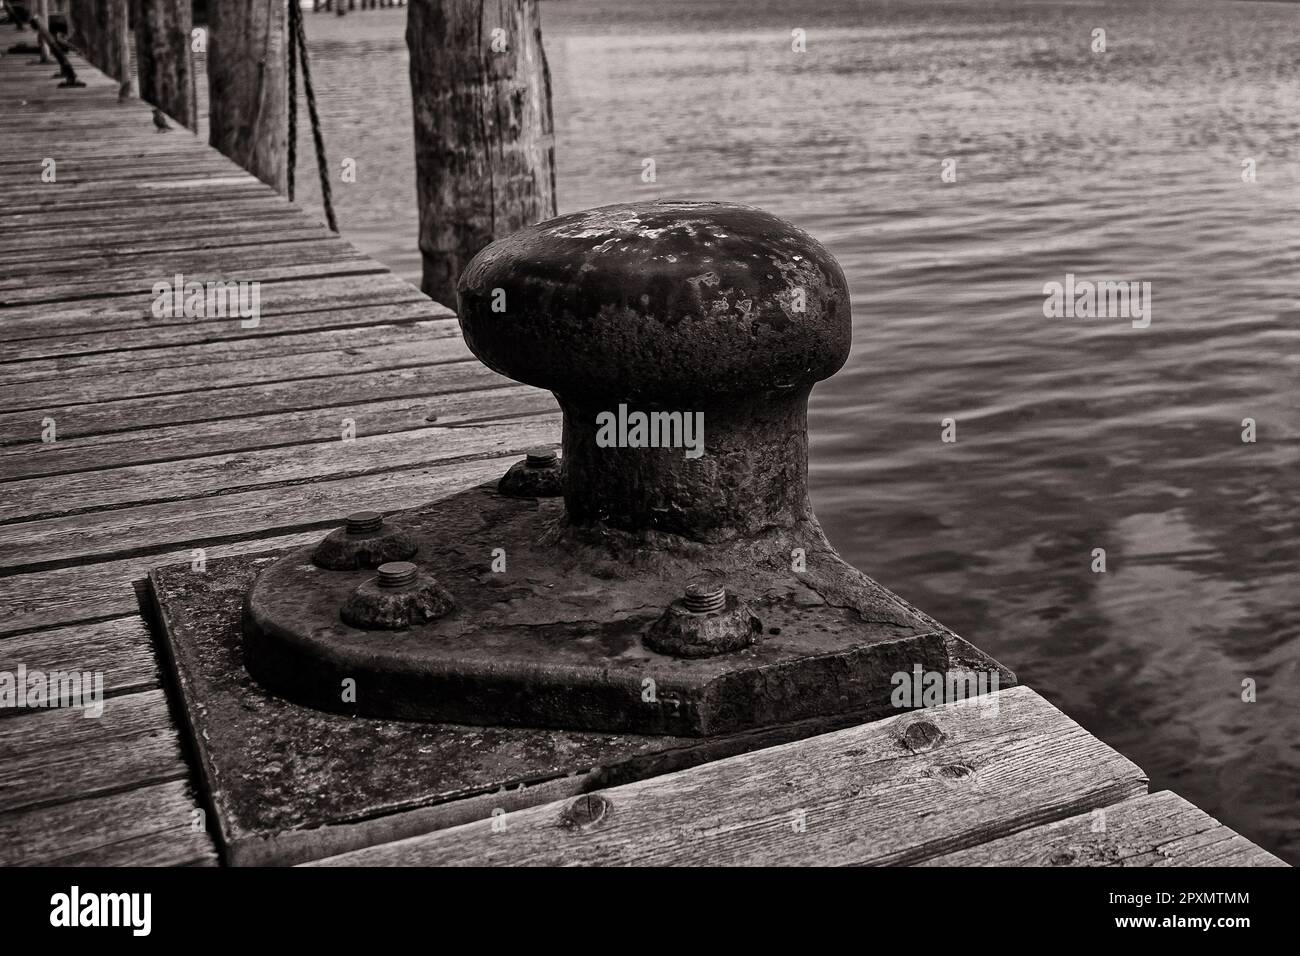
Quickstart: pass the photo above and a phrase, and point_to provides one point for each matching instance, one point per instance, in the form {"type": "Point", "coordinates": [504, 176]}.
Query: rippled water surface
{"type": "Point", "coordinates": [1071, 434]}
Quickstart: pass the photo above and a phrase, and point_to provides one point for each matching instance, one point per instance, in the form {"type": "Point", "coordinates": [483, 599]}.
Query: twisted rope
{"type": "Point", "coordinates": [293, 99]}
{"type": "Point", "coordinates": [298, 49]}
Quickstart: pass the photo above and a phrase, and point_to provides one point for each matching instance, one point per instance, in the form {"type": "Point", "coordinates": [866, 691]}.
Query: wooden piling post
{"type": "Point", "coordinates": [99, 29]}
{"type": "Point", "coordinates": [484, 140]}
{"type": "Point", "coordinates": [162, 56]}
{"type": "Point", "coordinates": [248, 87]}
{"type": "Point", "coordinates": [43, 12]}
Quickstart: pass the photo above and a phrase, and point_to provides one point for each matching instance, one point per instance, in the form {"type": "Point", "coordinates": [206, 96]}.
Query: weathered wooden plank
{"type": "Point", "coordinates": [132, 744]}
{"type": "Point", "coordinates": [177, 442]}
{"type": "Point", "coordinates": [79, 245]}
{"type": "Point", "coordinates": [136, 286]}
{"type": "Point", "coordinates": [202, 363]}
{"type": "Point", "coordinates": [131, 159]}
{"type": "Point", "coordinates": [212, 186]}
{"type": "Point", "coordinates": [77, 228]}
{"type": "Point", "coordinates": [1159, 829]}
{"type": "Point", "coordinates": [279, 297]}
{"type": "Point", "coordinates": [171, 525]}
{"type": "Point", "coordinates": [181, 149]}
{"type": "Point", "coordinates": [339, 392]}
{"type": "Point", "coordinates": [896, 791]}
{"type": "Point", "coordinates": [60, 596]}
{"type": "Point", "coordinates": [221, 475]}
{"type": "Point", "coordinates": [120, 649]}
{"type": "Point", "coordinates": [85, 592]}
{"type": "Point", "coordinates": [265, 263]}
{"type": "Point", "coordinates": [143, 177]}
{"type": "Point", "coordinates": [152, 825]}
{"type": "Point", "coordinates": [143, 269]}
{"type": "Point", "coordinates": [198, 332]}
{"type": "Point", "coordinates": [441, 346]}
{"type": "Point", "coordinates": [171, 204]}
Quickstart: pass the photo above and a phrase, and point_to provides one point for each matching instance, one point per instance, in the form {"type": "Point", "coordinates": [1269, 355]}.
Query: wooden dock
{"type": "Point", "coordinates": [178, 434]}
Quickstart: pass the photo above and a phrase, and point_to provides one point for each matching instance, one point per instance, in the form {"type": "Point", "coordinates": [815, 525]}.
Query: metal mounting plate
{"type": "Point", "coordinates": [556, 638]}
{"type": "Point", "coordinates": [287, 783]}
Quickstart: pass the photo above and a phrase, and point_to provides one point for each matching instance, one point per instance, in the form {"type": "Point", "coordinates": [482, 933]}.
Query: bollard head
{"type": "Point", "coordinates": [658, 302]}
{"type": "Point", "coordinates": [715, 318]}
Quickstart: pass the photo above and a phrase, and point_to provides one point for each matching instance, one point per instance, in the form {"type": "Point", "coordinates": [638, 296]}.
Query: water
{"type": "Point", "coordinates": [1071, 435]}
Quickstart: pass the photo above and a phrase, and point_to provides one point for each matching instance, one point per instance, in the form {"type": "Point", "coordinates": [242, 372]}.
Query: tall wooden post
{"type": "Point", "coordinates": [248, 93]}
{"type": "Point", "coordinates": [162, 56]}
{"type": "Point", "coordinates": [98, 28]}
{"type": "Point", "coordinates": [43, 11]}
{"type": "Point", "coordinates": [121, 32]}
{"type": "Point", "coordinates": [484, 140]}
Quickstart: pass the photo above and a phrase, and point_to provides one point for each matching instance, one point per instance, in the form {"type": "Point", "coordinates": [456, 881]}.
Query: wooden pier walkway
{"type": "Point", "coordinates": [175, 434]}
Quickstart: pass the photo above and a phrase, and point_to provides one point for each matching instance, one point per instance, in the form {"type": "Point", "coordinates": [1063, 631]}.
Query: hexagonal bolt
{"type": "Point", "coordinates": [398, 597]}
{"type": "Point", "coordinates": [364, 541]}
{"type": "Point", "coordinates": [706, 621]}
{"type": "Point", "coordinates": [537, 476]}
{"type": "Point", "coordinates": [691, 312]}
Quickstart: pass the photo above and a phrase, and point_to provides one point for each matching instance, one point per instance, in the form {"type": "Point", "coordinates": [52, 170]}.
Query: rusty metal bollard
{"type": "Point", "coordinates": [685, 308]}
{"type": "Point", "coordinates": [682, 584]}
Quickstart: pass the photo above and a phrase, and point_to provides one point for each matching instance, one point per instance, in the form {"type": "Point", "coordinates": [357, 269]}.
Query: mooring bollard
{"type": "Point", "coordinates": [663, 317]}
{"type": "Point", "coordinates": [681, 585]}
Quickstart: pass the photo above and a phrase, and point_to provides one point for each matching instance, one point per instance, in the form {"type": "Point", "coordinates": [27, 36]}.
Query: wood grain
{"type": "Point", "coordinates": [120, 648]}
{"type": "Point", "coordinates": [52, 756]}
{"type": "Point", "coordinates": [152, 825]}
{"type": "Point", "coordinates": [895, 791]}
{"type": "Point", "coordinates": [339, 337]}
{"type": "Point", "coordinates": [1159, 829]}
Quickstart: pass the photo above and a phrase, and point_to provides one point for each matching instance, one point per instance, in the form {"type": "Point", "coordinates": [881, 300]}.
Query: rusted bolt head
{"type": "Point", "coordinates": [363, 542]}
{"type": "Point", "coordinates": [537, 476]}
{"type": "Point", "coordinates": [363, 522]}
{"type": "Point", "coordinates": [396, 598]}
{"type": "Point", "coordinates": [707, 621]}
{"type": "Point", "coordinates": [704, 596]}
{"type": "Point", "coordinates": [540, 457]}
{"type": "Point", "coordinates": [721, 313]}
{"type": "Point", "coordinates": [396, 574]}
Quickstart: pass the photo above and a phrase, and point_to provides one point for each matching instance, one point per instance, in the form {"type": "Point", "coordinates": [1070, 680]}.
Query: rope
{"type": "Point", "coordinates": [293, 99]}
{"type": "Point", "coordinates": [298, 44]}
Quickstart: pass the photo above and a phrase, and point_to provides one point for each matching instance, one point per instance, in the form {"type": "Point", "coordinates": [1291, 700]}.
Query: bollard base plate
{"type": "Point", "coordinates": [285, 784]}
{"type": "Point", "coordinates": [549, 624]}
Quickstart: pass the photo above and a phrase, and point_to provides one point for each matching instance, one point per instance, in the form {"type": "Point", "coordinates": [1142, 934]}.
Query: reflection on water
{"type": "Point", "coordinates": [1072, 434]}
